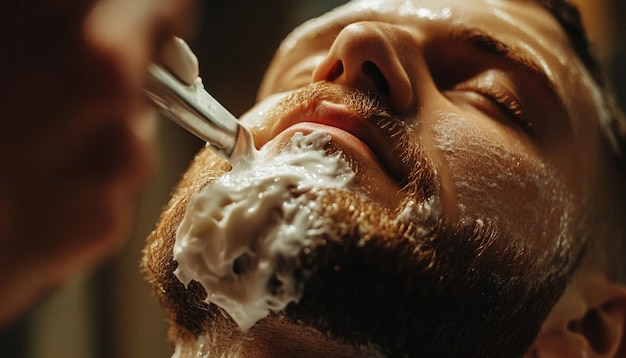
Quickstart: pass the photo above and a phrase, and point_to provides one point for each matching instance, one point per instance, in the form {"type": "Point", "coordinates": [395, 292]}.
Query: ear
{"type": "Point", "coordinates": [588, 321]}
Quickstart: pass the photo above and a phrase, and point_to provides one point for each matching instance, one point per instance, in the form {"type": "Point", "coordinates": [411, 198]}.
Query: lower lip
{"type": "Point", "coordinates": [340, 138]}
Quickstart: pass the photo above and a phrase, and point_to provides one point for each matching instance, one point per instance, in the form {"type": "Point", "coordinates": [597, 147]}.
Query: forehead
{"type": "Point", "coordinates": [516, 11]}
{"type": "Point", "coordinates": [519, 23]}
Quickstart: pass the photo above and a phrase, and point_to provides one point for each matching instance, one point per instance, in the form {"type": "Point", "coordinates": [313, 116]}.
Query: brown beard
{"type": "Point", "coordinates": [426, 287]}
{"type": "Point", "coordinates": [458, 291]}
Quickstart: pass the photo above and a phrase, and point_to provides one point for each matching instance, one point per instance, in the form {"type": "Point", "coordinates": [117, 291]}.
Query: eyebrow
{"type": "Point", "coordinates": [485, 42]}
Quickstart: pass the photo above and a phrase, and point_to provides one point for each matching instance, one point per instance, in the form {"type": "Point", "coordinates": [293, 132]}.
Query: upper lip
{"type": "Point", "coordinates": [339, 116]}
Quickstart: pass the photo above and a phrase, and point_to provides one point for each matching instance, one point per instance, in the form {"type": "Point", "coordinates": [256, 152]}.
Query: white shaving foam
{"type": "Point", "coordinates": [240, 238]}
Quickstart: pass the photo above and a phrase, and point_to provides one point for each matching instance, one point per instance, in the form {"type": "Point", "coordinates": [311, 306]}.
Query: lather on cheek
{"type": "Point", "coordinates": [498, 177]}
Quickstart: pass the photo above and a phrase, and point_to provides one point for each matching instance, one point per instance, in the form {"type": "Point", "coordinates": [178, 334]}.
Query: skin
{"type": "Point", "coordinates": [76, 135]}
{"type": "Point", "coordinates": [546, 161]}
{"type": "Point", "coordinates": [513, 135]}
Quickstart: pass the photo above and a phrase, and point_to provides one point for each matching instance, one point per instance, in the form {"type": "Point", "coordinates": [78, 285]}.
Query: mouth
{"type": "Point", "coordinates": [354, 135]}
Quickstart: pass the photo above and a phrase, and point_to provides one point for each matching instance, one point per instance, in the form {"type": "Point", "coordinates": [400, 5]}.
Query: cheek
{"type": "Point", "coordinates": [497, 177]}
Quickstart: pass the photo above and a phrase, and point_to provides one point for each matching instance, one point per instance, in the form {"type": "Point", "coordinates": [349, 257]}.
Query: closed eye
{"type": "Point", "coordinates": [498, 98]}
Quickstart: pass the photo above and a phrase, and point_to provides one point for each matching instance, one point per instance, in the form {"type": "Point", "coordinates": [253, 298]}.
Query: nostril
{"type": "Point", "coordinates": [373, 72]}
{"type": "Point", "coordinates": [335, 71]}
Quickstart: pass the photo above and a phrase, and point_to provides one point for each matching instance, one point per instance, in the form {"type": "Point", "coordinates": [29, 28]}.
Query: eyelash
{"type": "Point", "coordinates": [503, 100]}
{"type": "Point", "coordinates": [506, 102]}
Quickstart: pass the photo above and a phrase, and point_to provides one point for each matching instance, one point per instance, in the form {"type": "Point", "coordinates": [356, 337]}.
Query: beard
{"type": "Point", "coordinates": [454, 291]}
{"type": "Point", "coordinates": [402, 279]}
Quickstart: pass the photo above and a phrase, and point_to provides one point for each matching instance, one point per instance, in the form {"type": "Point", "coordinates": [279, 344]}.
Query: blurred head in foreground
{"type": "Point", "coordinates": [485, 216]}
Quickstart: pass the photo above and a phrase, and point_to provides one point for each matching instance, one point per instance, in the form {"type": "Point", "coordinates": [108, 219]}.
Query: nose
{"type": "Point", "coordinates": [372, 57]}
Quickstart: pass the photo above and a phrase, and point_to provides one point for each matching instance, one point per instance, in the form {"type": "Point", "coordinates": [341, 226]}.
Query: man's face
{"type": "Point", "coordinates": [474, 116]}
{"type": "Point", "coordinates": [490, 89]}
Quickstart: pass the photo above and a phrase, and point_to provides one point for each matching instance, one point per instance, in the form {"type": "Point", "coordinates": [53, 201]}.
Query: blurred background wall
{"type": "Point", "coordinates": [110, 312]}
